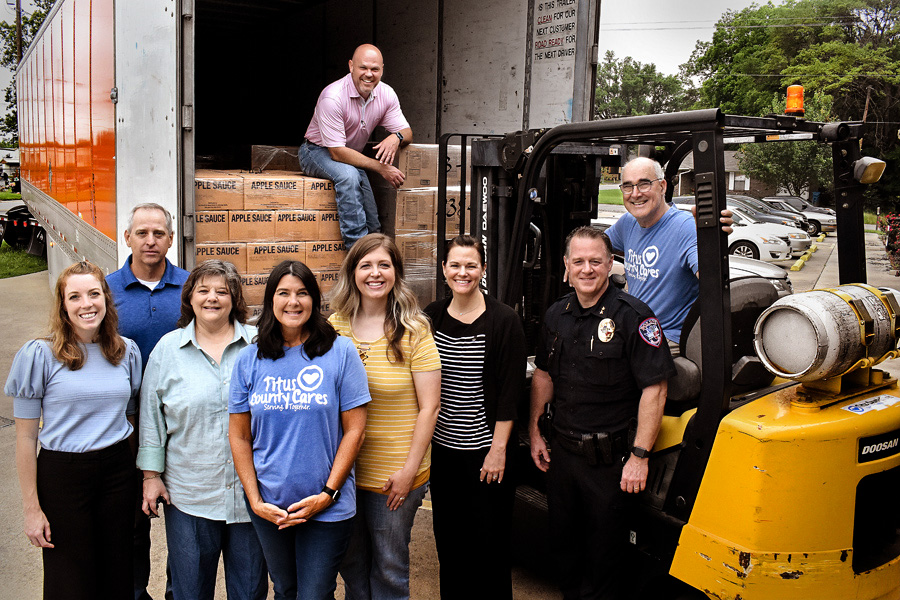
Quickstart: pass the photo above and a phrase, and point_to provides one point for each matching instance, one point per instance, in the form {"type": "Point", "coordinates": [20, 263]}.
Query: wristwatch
{"type": "Point", "coordinates": [640, 452]}
{"type": "Point", "coordinates": [335, 494]}
{"type": "Point", "coordinates": [399, 136]}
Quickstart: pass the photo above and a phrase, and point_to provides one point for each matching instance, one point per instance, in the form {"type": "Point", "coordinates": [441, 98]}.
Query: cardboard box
{"type": "Point", "coordinates": [262, 257]}
{"type": "Point", "coordinates": [327, 281]}
{"type": "Point", "coordinates": [325, 256]}
{"type": "Point", "coordinates": [418, 249]}
{"type": "Point", "coordinates": [251, 226]}
{"type": "Point", "coordinates": [277, 158]}
{"type": "Point", "coordinates": [235, 253]}
{"type": "Point", "coordinates": [419, 164]}
{"type": "Point", "coordinates": [318, 194]}
{"type": "Point", "coordinates": [329, 225]}
{"type": "Point", "coordinates": [254, 287]}
{"type": "Point", "coordinates": [211, 226]}
{"type": "Point", "coordinates": [273, 190]}
{"type": "Point", "coordinates": [253, 313]}
{"type": "Point", "coordinates": [415, 209]}
{"type": "Point", "coordinates": [218, 190]}
{"type": "Point", "coordinates": [298, 225]}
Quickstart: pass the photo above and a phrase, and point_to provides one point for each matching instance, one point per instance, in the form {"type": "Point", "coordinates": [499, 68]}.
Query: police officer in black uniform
{"type": "Point", "coordinates": [602, 365]}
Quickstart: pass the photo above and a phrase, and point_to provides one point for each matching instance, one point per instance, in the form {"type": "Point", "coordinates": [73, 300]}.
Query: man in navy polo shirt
{"type": "Point", "coordinates": [147, 293]}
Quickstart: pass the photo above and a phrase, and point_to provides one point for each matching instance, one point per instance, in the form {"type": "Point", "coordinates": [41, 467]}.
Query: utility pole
{"type": "Point", "coordinates": [18, 31]}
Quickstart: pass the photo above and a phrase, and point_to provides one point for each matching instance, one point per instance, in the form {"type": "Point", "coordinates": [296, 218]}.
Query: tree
{"type": "Point", "coordinates": [797, 167]}
{"type": "Point", "coordinates": [846, 49]}
{"type": "Point", "coordinates": [626, 88]}
{"type": "Point", "coordinates": [9, 126]}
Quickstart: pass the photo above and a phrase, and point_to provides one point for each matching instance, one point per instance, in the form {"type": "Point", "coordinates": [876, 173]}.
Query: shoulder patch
{"type": "Point", "coordinates": [651, 332]}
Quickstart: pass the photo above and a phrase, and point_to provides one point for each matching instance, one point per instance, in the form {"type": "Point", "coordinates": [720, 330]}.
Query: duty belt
{"type": "Point", "coordinates": [602, 447]}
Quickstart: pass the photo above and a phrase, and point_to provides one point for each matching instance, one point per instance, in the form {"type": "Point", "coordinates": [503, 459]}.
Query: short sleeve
{"type": "Point", "coordinates": [425, 355]}
{"type": "Point", "coordinates": [241, 376]}
{"type": "Point", "coordinates": [614, 234]}
{"type": "Point", "coordinates": [135, 366]}
{"type": "Point", "coordinates": [648, 351]}
{"type": "Point", "coordinates": [28, 378]}
{"type": "Point", "coordinates": [354, 384]}
{"type": "Point", "coordinates": [393, 119]}
{"type": "Point", "coordinates": [331, 122]}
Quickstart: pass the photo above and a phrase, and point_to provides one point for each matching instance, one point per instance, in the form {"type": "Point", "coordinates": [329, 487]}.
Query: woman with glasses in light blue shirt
{"type": "Point", "coordinates": [184, 450]}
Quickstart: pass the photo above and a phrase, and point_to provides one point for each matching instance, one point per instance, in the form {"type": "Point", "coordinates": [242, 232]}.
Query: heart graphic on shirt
{"type": "Point", "coordinates": [310, 378]}
{"type": "Point", "coordinates": [649, 256]}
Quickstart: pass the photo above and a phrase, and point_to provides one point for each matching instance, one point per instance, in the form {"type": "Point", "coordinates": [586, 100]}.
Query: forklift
{"type": "Point", "coordinates": [776, 473]}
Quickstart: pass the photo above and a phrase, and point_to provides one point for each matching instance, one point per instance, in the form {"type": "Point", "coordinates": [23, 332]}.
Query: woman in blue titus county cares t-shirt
{"type": "Point", "coordinates": [298, 416]}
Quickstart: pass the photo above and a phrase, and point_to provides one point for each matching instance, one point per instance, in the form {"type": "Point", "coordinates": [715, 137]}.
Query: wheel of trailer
{"type": "Point", "coordinates": [813, 228]}
{"type": "Point", "coordinates": [745, 249]}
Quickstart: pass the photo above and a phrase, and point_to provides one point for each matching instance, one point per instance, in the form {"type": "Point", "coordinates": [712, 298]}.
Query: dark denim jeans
{"type": "Point", "coordinates": [377, 563]}
{"type": "Point", "coordinates": [195, 544]}
{"type": "Point", "coordinates": [303, 560]}
{"type": "Point", "coordinates": [357, 211]}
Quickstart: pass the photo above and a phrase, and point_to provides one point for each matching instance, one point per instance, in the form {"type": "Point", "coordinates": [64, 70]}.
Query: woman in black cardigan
{"type": "Point", "coordinates": [483, 361]}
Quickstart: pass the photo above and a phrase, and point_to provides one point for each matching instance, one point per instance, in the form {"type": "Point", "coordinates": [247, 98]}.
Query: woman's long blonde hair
{"type": "Point", "coordinates": [62, 338]}
{"type": "Point", "coordinates": [403, 313]}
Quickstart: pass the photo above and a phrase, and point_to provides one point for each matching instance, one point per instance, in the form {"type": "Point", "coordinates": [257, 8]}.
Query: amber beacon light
{"type": "Point", "coordinates": [794, 101]}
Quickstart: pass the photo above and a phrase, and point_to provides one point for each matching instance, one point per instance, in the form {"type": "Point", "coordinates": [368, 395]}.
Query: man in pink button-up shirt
{"type": "Point", "coordinates": [346, 113]}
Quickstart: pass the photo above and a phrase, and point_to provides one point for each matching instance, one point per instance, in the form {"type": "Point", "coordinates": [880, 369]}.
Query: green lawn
{"type": "Point", "coordinates": [18, 262]}
{"type": "Point", "coordinates": [10, 196]}
{"type": "Point", "coordinates": [609, 197]}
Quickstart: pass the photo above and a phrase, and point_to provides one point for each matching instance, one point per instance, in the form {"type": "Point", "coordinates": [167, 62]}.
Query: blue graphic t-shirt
{"type": "Point", "coordinates": [295, 407]}
{"type": "Point", "coordinates": [661, 265]}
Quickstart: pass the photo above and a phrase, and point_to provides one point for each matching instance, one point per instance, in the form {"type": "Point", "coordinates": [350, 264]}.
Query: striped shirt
{"type": "Point", "coordinates": [392, 413]}
{"type": "Point", "coordinates": [462, 424]}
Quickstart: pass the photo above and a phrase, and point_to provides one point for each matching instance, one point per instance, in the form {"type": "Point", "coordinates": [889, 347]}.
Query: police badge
{"type": "Point", "coordinates": [651, 332]}
{"type": "Point", "coordinates": [605, 330]}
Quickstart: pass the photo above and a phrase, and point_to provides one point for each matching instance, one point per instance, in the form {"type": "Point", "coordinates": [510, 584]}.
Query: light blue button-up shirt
{"type": "Point", "coordinates": [184, 425]}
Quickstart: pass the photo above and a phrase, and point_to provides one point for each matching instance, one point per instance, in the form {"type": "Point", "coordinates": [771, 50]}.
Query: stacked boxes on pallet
{"type": "Point", "coordinates": [257, 220]}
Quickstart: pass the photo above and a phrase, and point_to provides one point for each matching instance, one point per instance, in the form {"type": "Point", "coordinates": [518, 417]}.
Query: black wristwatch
{"type": "Point", "coordinates": [640, 452]}
{"type": "Point", "coordinates": [399, 136]}
{"type": "Point", "coordinates": [335, 494]}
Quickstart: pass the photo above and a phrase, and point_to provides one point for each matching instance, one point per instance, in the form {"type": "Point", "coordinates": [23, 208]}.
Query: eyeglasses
{"type": "Point", "coordinates": [363, 350]}
{"type": "Point", "coordinates": [643, 186]}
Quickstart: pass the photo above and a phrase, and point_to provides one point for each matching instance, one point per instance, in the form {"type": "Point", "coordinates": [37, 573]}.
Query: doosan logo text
{"type": "Point", "coordinates": [872, 448]}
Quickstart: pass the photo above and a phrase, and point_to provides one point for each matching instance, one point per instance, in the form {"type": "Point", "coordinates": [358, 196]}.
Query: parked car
{"type": "Point", "coordinates": [818, 221]}
{"type": "Point", "coordinates": [798, 240]}
{"type": "Point", "coordinates": [799, 204]}
{"type": "Point", "coordinates": [751, 240]}
{"type": "Point", "coordinates": [760, 214]}
{"type": "Point", "coordinates": [741, 266]}
{"type": "Point", "coordinates": [759, 208]}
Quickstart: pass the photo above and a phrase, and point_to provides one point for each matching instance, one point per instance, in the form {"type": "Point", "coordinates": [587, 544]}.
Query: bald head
{"type": "Point", "coordinates": [366, 68]}
{"type": "Point", "coordinates": [646, 205]}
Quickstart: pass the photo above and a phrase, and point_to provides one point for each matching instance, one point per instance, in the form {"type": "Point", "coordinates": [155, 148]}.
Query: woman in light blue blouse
{"type": "Point", "coordinates": [78, 494]}
{"type": "Point", "coordinates": [184, 449]}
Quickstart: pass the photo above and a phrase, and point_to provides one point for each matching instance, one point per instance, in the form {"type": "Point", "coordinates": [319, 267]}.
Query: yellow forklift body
{"type": "Point", "coordinates": [774, 515]}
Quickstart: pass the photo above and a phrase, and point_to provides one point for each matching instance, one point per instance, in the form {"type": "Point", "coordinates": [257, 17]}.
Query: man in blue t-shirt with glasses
{"type": "Point", "coordinates": [659, 243]}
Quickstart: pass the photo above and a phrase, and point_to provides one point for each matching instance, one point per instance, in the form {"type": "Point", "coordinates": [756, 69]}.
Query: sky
{"type": "Point", "coordinates": [659, 31]}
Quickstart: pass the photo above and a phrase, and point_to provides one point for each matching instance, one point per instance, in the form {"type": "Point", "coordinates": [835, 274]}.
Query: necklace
{"type": "Point", "coordinates": [465, 312]}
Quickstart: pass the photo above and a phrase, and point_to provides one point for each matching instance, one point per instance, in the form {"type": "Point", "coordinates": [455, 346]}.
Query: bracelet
{"type": "Point", "coordinates": [152, 477]}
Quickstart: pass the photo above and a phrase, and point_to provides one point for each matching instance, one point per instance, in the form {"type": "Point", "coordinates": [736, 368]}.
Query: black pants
{"type": "Point", "coordinates": [472, 526]}
{"type": "Point", "coordinates": [588, 525]}
{"type": "Point", "coordinates": [88, 499]}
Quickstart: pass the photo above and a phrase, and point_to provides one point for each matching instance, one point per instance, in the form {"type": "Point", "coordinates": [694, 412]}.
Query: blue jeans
{"type": "Point", "coordinates": [357, 211]}
{"type": "Point", "coordinates": [195, 544]}
{"type": "Point", "coordinates": [303, 560]}
{"type": "Point", "coordinates": [377, 562]}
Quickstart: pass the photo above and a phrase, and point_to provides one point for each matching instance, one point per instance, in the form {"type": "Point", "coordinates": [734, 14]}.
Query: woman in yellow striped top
{"type": "Point", "coordinates": [377, 310]}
